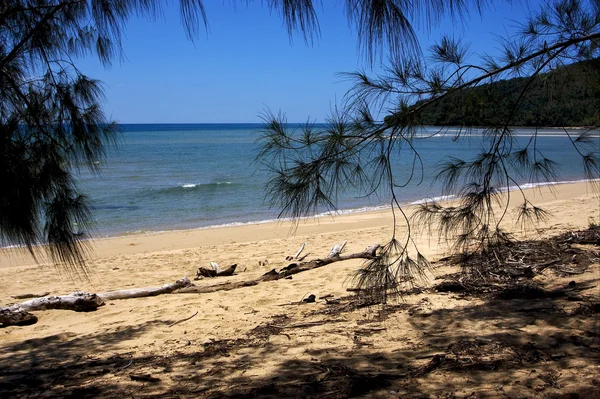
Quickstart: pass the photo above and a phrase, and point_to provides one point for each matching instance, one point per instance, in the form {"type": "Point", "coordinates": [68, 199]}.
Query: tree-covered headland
{"type": "Point", "coordinates": [566, 96]}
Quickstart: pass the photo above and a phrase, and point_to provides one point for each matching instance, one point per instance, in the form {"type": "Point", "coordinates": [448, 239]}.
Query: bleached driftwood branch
{"type": "Point", "coordinates": [337, 249]}
{"type": "Point", "coordinates": [291, 269]}
{"type": "Point", "coordinates": [300, 250]}
{"type": "Point", "coordinates": [18, 314]}
{"type": "Point", "coordinates": [81, 301]}
{"type": "Point", "coordinates": [297, 256]}
{"type": "Point", "coordinates": [145, 292]}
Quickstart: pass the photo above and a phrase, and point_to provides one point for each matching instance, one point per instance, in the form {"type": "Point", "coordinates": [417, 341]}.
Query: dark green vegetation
{"type": "Point", "coordinates": [566, 96]}
{"type": "Point", "coordinates": [51, 117]}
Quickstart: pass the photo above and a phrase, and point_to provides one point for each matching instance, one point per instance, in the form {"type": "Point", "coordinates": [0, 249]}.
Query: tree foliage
{"type": "Point", "coordinates": [312, 166]}
{"type": "Point", "coordinates": [51, 117]}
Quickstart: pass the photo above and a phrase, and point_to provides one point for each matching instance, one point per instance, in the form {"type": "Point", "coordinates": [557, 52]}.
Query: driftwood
{"type": "Point", "coordinates": [145, 292]}
{"type": "Point", "coordinates": [291, 269]}
{"type": "Point", "coordinates": [81, 301]}
{"type": "Point", "coordinates": [215, 271]}
{"type": "Point", "coordinates": [19, 314]}
{"type": "Point", "coordinates": [182, 320]}
{"type": "Point", "coordinates": [297, 256]}
{"type": "Point", "coordinates": [9, 317]}
{"type": "Point", "coordinates": [337, 249]}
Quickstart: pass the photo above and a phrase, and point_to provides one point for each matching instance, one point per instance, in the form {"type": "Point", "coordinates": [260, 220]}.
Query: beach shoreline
{"type": "Point", "coordinates": [352, 220]}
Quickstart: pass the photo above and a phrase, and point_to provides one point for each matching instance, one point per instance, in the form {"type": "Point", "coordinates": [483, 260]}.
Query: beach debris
{"type": "Point", "coordinates": [333, 301]}
{"type": "Point", "coordinates": [305, 299]}
{"type": "Point", "coordinates": [81, 301]}
{"type": "Point", "coordinates": [297, 256]}
{"type": "Point", "coordinates": [568, 254]}
{"type": "Point", "coordinates": [300, 250]}
{"type": "Point", "coordinates": [19, 314]}
{"type": "Point", "coordinates": [16, 317]}
{"type": "Point", "coordinates": [215, 271]}
{"type": "Point", "coordinates": [28, 296]}
{"type": "Point", "coordinates": [294, 268]}
{"type": "Point", "coordinates": [182, 320]}
{"type": "Point", "coordinates": [310, 299]}
{"type": "Point", "coordinates": [145, 292]}
{"type": "Point", "coordinates": [337, 249]}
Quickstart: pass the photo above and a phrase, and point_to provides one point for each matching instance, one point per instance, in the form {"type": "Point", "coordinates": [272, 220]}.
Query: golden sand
{"type": "Point", "coordinates": [136, 330]}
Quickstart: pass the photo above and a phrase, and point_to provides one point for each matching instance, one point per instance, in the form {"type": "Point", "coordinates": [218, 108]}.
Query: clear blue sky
{"type": "Point", "coordinates": [246, 62]}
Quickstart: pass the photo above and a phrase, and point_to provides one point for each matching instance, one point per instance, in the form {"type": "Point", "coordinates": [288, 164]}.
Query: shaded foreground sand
{"type": "Point", "coordinates": [252, 342]}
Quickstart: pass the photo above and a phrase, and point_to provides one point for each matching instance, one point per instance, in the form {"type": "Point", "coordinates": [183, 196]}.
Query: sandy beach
{"type": "Point", "coordinates": [254, 341]}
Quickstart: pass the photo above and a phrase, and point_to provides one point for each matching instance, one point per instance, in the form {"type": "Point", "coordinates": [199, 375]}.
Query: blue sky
{"type": "Point", "coordinates": [247, 62]}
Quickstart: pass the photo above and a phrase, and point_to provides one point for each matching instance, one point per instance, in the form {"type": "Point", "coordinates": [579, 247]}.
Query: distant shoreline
{"type": "Point", "coordinates": [339, 212]}
{"type": "Point", "coordinates": [542, 131]}
{"type": "Point", "coordinates": [346, 224]}
{"type": "Point", "coordinates": [299, 124]}
{"type": "Point", "coordinates": [324, 215]}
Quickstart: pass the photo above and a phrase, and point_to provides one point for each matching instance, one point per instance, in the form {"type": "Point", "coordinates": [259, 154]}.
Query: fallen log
{"type": "Point", "coordinates": [273, 275]}
{"type": "Point", "coordinates": [77, 301]}
{"type": "Point", "coordinates": [232, 285]}
{"type": "Point", "coordinates": [145, 292]}
{"type": "Point", "coordinates": [18, 314]}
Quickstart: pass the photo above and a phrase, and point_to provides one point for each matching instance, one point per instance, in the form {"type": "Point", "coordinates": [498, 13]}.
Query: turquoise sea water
{"type": "Point", "coordinates": [185, 176]}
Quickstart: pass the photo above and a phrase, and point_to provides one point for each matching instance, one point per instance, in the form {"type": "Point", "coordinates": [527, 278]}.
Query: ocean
{"type": "Point", "coordinates": [187, 176]}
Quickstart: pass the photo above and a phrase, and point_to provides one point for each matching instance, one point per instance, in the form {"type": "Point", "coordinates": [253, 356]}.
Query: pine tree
{"type": "Point", "coordinates": [312, 166]}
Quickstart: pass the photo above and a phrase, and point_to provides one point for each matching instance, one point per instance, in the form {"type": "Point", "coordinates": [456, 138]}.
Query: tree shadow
{"type": "Point", "coordinates": [485, 347]}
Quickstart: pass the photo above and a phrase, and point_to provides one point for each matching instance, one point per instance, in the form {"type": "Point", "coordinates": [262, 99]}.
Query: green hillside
{"type": "Point", "coordinates": [567, 96]}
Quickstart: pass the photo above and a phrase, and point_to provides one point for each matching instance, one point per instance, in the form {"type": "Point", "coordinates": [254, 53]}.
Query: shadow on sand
{"type": "Point", "coordinates": [545, 346]}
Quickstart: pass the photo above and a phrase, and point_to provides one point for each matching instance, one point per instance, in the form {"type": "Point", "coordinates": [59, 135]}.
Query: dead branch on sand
{"type": "Point", "coordinates": [18, 314]}
{"type": "Point", "coordinates": [145, 292]}
{"type": "Point", "coordinates": [289, 270]}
